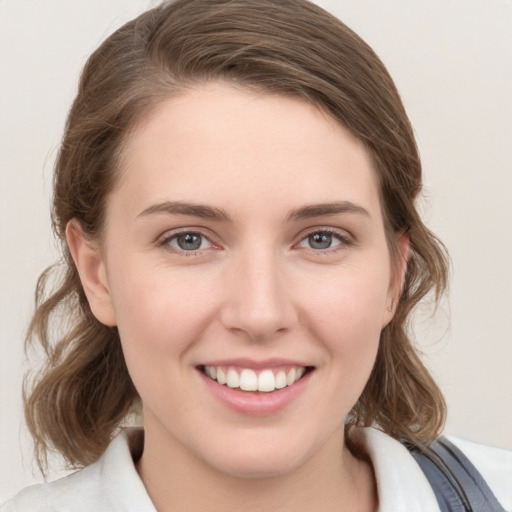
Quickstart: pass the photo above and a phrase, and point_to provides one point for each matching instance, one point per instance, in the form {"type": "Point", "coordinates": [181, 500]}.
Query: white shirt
{"type": "Point", "coordinates": [113, 484]}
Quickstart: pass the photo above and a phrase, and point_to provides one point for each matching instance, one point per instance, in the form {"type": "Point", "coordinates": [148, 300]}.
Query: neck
{"type": "Point", "coordinates": [332, 480]}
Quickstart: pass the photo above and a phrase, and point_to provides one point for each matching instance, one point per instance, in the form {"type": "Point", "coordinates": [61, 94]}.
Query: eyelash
{"type": "Point", "coordinates": [165, 242]}
{"type": "Point", "coordinates": [344, 239]}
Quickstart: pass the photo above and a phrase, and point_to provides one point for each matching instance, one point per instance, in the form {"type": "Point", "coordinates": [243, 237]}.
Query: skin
{"type": "Point", "coordinates": [255, 289]}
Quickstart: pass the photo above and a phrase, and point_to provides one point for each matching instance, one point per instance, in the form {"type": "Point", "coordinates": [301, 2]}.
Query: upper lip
{"type": "Point", "coordinates": [254, 364]}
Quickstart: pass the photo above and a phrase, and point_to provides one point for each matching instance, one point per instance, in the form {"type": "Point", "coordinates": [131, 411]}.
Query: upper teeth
{"type": "Point", "coordinates": [247, 379]}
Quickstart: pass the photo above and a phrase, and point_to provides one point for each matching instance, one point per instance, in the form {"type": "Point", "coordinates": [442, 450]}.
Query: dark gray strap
{"type": "Point", "coordinates": [457, 484]}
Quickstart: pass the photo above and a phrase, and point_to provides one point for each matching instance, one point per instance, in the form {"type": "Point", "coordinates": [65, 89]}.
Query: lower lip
{"type": "Point", "coordinates": [254, 403]}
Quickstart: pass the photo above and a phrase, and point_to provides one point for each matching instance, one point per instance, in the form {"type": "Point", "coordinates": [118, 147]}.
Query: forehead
{"type": "Point", "coordinates": [219, 143]}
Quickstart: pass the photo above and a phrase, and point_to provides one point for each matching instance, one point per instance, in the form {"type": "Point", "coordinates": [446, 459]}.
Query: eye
{"type": "Point", "coordinates": [188, 241]}
{"type": "Point", "coordinates": [323, 240]}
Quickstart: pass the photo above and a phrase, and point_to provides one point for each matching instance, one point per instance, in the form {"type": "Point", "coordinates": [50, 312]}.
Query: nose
{"type": "Point", "coordinates": [258, 298]}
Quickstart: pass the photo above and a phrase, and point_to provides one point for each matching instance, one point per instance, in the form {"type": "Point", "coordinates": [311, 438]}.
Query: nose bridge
{"type": "Point", "coordinates": [258, 301]}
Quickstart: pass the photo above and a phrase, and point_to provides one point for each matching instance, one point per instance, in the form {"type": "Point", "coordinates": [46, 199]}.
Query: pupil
{"type": "Point", "coordinates": [320, 240]}
{"type": "Point", "coordinates": [189, 242]}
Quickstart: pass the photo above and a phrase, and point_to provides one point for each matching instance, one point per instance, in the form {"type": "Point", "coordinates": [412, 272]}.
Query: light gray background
{"type": "Point", "coordinates": [452, 62]}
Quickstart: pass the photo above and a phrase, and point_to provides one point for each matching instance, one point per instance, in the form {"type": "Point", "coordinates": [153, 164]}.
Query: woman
{"type": "Point", "coordinates": [235, 197]}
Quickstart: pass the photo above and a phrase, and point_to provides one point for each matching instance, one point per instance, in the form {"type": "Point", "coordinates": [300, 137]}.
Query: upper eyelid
{"type": "Point", "coordinates": [342, 233]}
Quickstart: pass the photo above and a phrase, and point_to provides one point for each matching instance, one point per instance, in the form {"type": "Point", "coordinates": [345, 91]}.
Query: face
{"type": "Point", "coordinates": [245, 263]}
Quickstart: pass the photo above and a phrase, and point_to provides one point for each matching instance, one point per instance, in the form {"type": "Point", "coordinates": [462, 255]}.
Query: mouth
{"type": "Point", "coordinates": [265, 380]}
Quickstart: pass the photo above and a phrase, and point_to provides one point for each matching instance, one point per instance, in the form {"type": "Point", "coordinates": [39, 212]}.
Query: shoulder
{"type": "Point", "coordinates": [402, 485]}
{"type": "Point", "coordinates": [59, 495]}
{"type": "Point", "coordinates": [48, 496]}
{"type": "Point", "coordinates": [494, 464]}
{"type": "Point", "coordinates": [110, 484]}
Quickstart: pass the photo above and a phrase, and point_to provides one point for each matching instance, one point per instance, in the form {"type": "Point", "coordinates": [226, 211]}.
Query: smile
{"type": "Point", "coordinates": [247, 379]}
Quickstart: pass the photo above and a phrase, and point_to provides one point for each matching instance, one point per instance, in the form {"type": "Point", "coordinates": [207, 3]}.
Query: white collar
{"type": "Point", "coordinates": [401, 484]}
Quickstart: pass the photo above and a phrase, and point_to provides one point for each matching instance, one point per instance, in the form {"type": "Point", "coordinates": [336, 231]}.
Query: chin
{"type": "Point", "coordinates": [260, 457]}
{"type": "Point", "coordinates": [259, 466]}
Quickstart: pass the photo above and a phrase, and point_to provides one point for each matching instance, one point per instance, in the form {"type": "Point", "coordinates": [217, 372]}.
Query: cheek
{"type": "Point", "coordinates": [158, 312]}
{"type": "Point", "coordinates": [350, 300]}
{"type": "Point", "coordinates": [346, 314]}
{"type": "Point", "coordinates": [160, 319]}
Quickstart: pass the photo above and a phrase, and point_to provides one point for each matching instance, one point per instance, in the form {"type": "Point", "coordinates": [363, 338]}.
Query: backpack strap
{"type": "Point", "coordinates": [456, 483]}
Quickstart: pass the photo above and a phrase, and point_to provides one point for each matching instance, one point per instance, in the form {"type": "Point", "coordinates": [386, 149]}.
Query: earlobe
{"type": "Point", "coordinates": [91, 268]}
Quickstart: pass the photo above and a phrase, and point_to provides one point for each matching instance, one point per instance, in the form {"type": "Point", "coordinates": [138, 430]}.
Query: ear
{"type": "Point", "coordinates": [398, 270]}
{"type": "Point", "coordinates": [400, 265]}
{"type": "Point", "coordinates": [91, 268]}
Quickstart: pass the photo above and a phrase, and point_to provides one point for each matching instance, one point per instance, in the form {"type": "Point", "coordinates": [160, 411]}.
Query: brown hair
{"type": "Point", "coordinates": [83, 393]}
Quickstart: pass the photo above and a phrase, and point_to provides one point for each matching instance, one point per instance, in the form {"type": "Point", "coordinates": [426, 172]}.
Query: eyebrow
{"type": "Point", "coordinates": [319, 210]}
{"type": "Point", "coordinates": [217, 214]}
{"type": "Point", "coordinates": [185, 208]}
